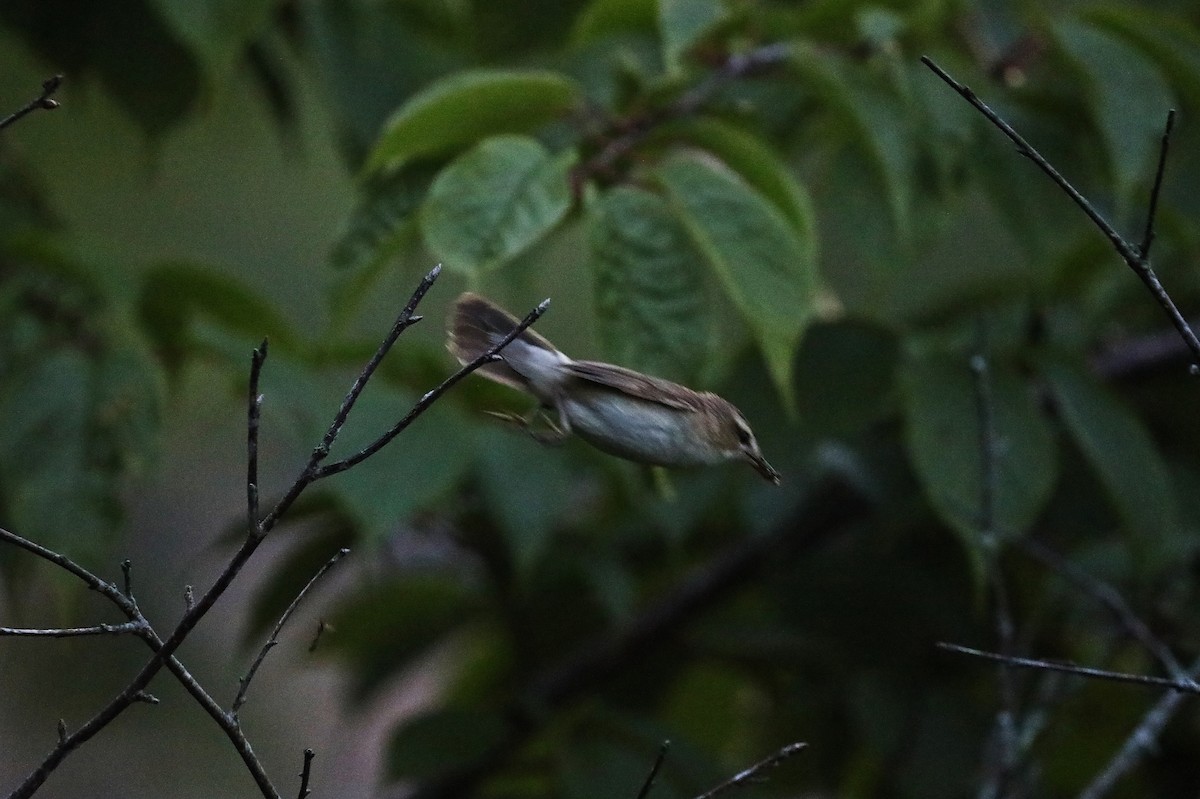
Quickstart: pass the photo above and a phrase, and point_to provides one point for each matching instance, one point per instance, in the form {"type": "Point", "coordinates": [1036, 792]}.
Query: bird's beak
{"type": "Point", "coordinates": [762, 467]}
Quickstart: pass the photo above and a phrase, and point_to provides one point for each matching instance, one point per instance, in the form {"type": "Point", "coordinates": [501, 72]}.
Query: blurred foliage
{"type": "Point", "coordinates": [831, 238]}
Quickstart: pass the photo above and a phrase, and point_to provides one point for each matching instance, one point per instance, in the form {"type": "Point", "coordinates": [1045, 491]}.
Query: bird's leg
{"type": "Point", "coordinates": [553, 434]}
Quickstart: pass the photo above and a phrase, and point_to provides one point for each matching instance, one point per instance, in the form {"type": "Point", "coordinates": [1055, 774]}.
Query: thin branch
{"type": "Point", "coordinates": [305, 773]}
{"type": "Point", "coordinates": [653, 775]}
{"type": "Point", "coordinates": [165, 649]}
{"type": "Point", "coordinates": [432, 396]}
{"type": "Point", "coordinates": [1109, 597]}
{"type": "Point", "coordinates": [1140, 742]}
{"type": "Point", "coordinates": [1148, 236]}
{"type": "Point", "coordinates": [1128, 252]}
{"type": "Point", "coordinates": [635, 130]}
{"type": "Point", "coordinates": [322, 626]}
{"type": "Point", "coordinates": [752, 774]}
{"type": "Point", "coordinates": [240, 699]}
{"type": "Point", "coordinates": [1005, 731]}
{"type": "Point", "coordinates": [43, 101]}
{"type": "Point", "coordinates": [254, 402]}
{"type": "Point", "coordinates": [1186, 686]}
{"type": "Point", "coordinates": [127, 574]}
{"type": "Point", "coordinates": [136, 627]}
{"type": "Point", "coordinates": [68, 743]}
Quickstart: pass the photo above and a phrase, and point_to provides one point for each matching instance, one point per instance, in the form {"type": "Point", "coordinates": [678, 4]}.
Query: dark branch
{"type": "Point", "coordinates": [633, 131]}
{"type": "Point", "coordinates": [43, 101]}
{"type": "Point", "coordinates": [254, 402]}
{"type": "Point", "coordinates": [305, 773]}
{"type": "Point", "coordinates": [1128, 252]}
{"type": "Point", "coordinates": [431, 397]}
{"type": "Point", "coordinates": [653, 775]}
{"type": "Point", "coordinates": [164, 649]}
{"type": "Point", "coordinates": [1186, 686]}
{"type": "Point", "coordinates": [1152, 212]}
{"type": "Point", "coordinates": [240, 699]}
{"type": "Point", "coordinates": [136, 627]}
{"type": "Point", "coordinates": [1110, 598]}
{"type": "Point", "coordinates": [752, 774]}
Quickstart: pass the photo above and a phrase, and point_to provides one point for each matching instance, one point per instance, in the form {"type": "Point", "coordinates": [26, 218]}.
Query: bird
{"type": "Point", "coordinates": [617, 410]}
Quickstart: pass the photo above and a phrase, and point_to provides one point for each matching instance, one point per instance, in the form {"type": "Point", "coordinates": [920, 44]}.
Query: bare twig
{"type": "Point", "coordinates": [1110, 598]}
{"type": "Point", "coordinates": [752, 774]}
{"type": "Point", "coordinates": [1130, 254]}
{"type": "Point", "coordinates": [44, 101]}
{"type": "Point", "coordinates": [253, 416]}
{"type": "Point", "coordinates": [1005, 731]}
{"type": "Point", "coordinates": [240, 699]}
{"type": "Point", "coordinates": [1148, 236]}
{"type": "Point", "coordinates": [305, 773]}
{"type": "Point", "coordinates": [164, 649]}
{"type": "Point", "coordinates": [635, 130]}
{"type": "Point", "coordinates": [1186, 686]}
{"type": "Point", "coordinates": [653, 775]}
{"type": "Point", "coordinates": [136, 627]}
{"type": "Point", "coordinates": [1140, 741]}
{"type": "Point", "coordinates": [431, 397]}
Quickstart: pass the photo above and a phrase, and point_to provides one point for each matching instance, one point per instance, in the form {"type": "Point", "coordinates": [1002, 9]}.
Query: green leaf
{"type": "Point", "coordinates": [444, 741]}
{"type": "Point", "coordinates": [682, 23]}
{"type": "Point", "coordinates": [1174, 46]}
{"type": "Point", "coordinates": [604, 18]}
{"type": "Point", "coordinates": [878, 123]}
{"type": "Point", "coordinates": [375, 229]}
{"type": "Point", "coordinates": [1128, 96]}
{"type": "Point", "coordinates": [1119, 448]}
{"type": "Point", "coordinates": [460, 109]}
{"type": "Point", "coordinates": [416, 470]}
{"type": "Point", "coordinates": [766, 268]}
{"type": "Point", "coordinates": [942, 430]}
{"type": "Point", "coordinates": [175, 295]}
{"type": "Point", "coordinates": [652, 305]}
{"type": "Point", "coordinates": [217, 31]}
{"type": "Point", "coordinates": [494, 201]}
{"type": "Point", "coordinates": [758, 164]}
{"type": "Point", "coordinates": [841, 401]}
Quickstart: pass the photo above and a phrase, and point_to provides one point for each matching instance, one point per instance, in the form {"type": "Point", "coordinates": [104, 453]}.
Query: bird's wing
{"type": "Point", "coordinates": [636, 384]}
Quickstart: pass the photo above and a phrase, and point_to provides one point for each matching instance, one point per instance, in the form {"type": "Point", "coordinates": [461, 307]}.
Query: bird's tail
{"type": "Point", "coordinates": [478, 324]}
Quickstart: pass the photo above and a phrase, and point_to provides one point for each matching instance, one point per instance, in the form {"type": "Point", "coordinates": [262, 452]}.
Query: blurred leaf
{"type": "Point", "coordinates": [217, 31]}
{"type": "Point", "coordinates": [652, 301]}
{"type": "Point", "coordinates": [766, 268]}
{"type": "Point", "coordinates": [529, 491]}
{"type": "Point", "coordinates": [376, 227]}
{"type": "Point", "coordinates": [942, 420]}
{"type": "Point", "coordinates": [604, 18]}
{"type": "Point", "coordinates": [372, 56]}
{"type": "Point", "coordinates": [145, 67]}
{"type": "Point", "coordinates": [1118, 447]}
{"type": "Point", "coordinates": [1174, 44]}
{"type": "Point", "coordinates": [418, 468]}
{"type": "Point", "coordinates": [758, 164]}
{"type": "Point", "coordinates": [383, 627]}
{"type": "Point", "coordinates": [443, 741]}
{"type": "Point", "coordinates": [494, 201]}
{"type": "Point", "coordinates": [878, 124]}
{"type": "Point", "coordinates": [458, 110]}
{"type": "Point", "coordinates": [173, 295]}
{"type": "Point", "coordinates": [1129, 100]}
{"type": "Point", "coordinates": [683, 23]}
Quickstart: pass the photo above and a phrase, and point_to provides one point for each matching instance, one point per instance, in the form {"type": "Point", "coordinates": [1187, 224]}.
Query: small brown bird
{"type": "Point", "coordinates": [617, 410]}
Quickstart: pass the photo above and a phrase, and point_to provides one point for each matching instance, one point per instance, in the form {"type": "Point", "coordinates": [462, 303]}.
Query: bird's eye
{"type": "Point", "coordinates": [744, 435]}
